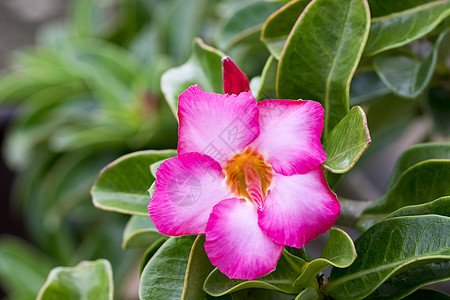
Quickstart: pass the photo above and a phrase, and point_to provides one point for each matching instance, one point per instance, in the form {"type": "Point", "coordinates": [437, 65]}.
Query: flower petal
{"type": "Point", "coordinates": [298, 208]}
{"type": "Point", "coordinates": [234, 80]}
{"type": "Point", "coordinates": [236, 245]}
{"type": "Point", "coordinates": [214, 124]}
{"type": "Point", "coordinates": [290, 135]}
{"type": "Point", "coordinates": [187, 188]}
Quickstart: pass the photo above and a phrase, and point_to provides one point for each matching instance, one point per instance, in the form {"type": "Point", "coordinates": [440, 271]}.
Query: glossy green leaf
{"type": "Point", "coordinates": [421, 183]}
{"type": "Point", "coordinates": [427, 294]}
{"type": "Point", "coordinates": [203, 68]}
{"type": "Point", "coordinates": [396, 23]}
{"type": "Point", "coordinates": [308, 294]}
{"type": "Point", "coordinates": [199, 266]}
{"type": "Point", "coordinates": [140, 232]}
{"type": "Point", "coordinates": [440, 206]}
{"type": "Point", "coordinates": [412, 246]}
{"type": "Point", "coordinates": [163, 276]}
{"type": "Point", "coordinates": [148, 254]}
{"type": "Point", "coordinates": [267, 87]}
{"type": "Point", "coordinates": [245, 20]}
{"type": "Point", "coordinates": [88, 280]}
{"type": "Point", "coordinates": [321, 55]}
{"type": "Point", "coordinates": [282, 279]}
{"type": "Point", "coordinates": [347, 141]}
{"type": "Point", "coordinates": [405, 76]}
{"type": "Point", "coordinates": [405, 282]}
{"type": "Point", "coordinates": [122, 185]}
{"type": "Point", "coordinates": [23, 269]}
{"type": "Point", "coordinates": [338, 251]}
{"type": "Point", "coordinates": [416, 154]}
{"type": "Point", "coordinates": [278, 26]}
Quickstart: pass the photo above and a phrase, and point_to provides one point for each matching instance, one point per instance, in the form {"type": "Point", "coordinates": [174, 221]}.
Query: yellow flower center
{"type": "Point", "coordinates": [249, 176]}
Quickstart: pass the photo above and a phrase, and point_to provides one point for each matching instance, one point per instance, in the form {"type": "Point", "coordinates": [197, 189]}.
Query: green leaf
{"type": "Point", "coordinates": [419, 160]}
{"type": "Point", "coordinates": [148, 254]}
{"type": "Point", "coordinates": [151, 190]}
{"type": "Point", "coordinates": [203, 68]}
{"type": "Point", "coordinates": [416, 154]}
{"type": "Point", "coordinates": [347, 141]}
{"type": "Point", "coordinates": [267, 87]}
{"type": "Point", "coordinates": [122, 185]}
{"type": "Point", "coordinates": [408, 245]}
{"type": "Point", "coordinates": [405, 282]}
{"type": "Point", "coordinates": [140, 232]}
{"type": "Point", "coordinates": [424, 182]}
{"type": "Point", "coordinates": [282, 279]}
{"type": "Point", "coordinates": [427, 294]}
{"type": "Point", "coordinates": [404, 76]}
{"type": "Point", "coordinates": [278, 26]}
{"type": "Point", "coordinates": [198, 269]}
{"type": "Point", "coordinates": [308, 294]}
{"type": "Point", "coordinates": [244, 20]}
{"type": "Point", "coordinates": [338, 251]}
{"type": "Point", "coordinates": [88, 280]}
{"type": "Point", "coordinates": [23, 269]}
{"type": "Point", "coordinates": [440, 206]}
{"type": "Point", "coordinates": [397, 23]}
{"type": "Point", "coordinates": [163, 276]}
{"type": "Point", "coordinates": [321, 55]}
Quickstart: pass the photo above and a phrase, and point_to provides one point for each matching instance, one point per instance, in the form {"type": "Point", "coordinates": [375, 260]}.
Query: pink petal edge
{"type": "Point", "coordinates": [216, 125]}
{"type": "Point", "coordinates": [290, 132]}
{"type": "Point", "coordinates": [187, 188]}
{"type": "Point", "coordinates": [298, 208]}
{"type": "Point", "coordinates": [236, 245]}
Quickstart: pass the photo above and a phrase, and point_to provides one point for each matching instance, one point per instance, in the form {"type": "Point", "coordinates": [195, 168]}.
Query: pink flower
{"type": "Point", "coordinates": [248, 175]}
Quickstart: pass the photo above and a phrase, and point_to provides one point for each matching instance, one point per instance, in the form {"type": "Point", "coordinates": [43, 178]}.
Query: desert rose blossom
{"type": "Point", "coordinates": [248, 175]}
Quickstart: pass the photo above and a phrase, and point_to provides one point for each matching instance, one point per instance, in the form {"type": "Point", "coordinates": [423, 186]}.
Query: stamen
{"type": "Point", "coordinates": [253, 182]}
{"type": "Point", "coordinates": [249, 176]}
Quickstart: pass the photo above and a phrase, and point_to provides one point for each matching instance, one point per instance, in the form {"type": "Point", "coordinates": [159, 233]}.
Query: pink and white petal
{"type": "Point", "coordinates": [234, 80]}
{"type": "Point", "coordinates": [290, 135]}
{"type": "Point", "coordinates": [236, 245]}
{"type": "Point", "coordinates": [298, 208]}
{"type": "Point", "coordinates": [187, 188]}
{"type": "Point", "coordinates": [214, 124]}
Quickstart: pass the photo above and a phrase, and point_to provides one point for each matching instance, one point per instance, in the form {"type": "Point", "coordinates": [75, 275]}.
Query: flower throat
{"type": "Point", "coordinates": [249, 176]}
